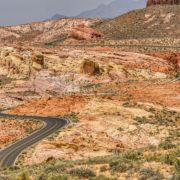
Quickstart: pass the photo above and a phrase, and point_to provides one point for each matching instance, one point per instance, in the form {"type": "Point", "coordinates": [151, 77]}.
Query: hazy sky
{"type": "Point", "coordinates": [22, 11]}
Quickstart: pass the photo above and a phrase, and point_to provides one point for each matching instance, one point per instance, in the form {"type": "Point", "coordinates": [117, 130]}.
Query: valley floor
{"type": "Point", "coordinates": [124, 108]}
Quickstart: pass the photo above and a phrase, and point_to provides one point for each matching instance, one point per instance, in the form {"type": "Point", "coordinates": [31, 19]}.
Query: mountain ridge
{"type": "Point", "coordinates": [111, 10]}
{"type": "Point", "coordinates": [57, 16]}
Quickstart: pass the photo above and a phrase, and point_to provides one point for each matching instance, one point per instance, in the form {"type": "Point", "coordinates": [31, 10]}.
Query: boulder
{"type": "Point", "coordinates": [82, 32]}
{"type": "Point", "coordinates": [38, 58]}
{"type": "Point", "coordinates": [117, 75]}
{"type": "Point", "coordinates": [37, 62]}
{"type": "Point", "coordinates": [163, 2]}
{"type": "Point", "coordinates": [90, 67]}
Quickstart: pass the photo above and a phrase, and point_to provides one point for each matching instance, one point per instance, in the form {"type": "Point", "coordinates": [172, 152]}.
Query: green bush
{"type": "Point", "coordinates": [102, 177]}
{"type": "Point", "coordinates": [152, 109]}
{"type": "Point", "coordinates": [103, 168]}
{"type": "Point", "coordinates": [177, 75]}
{"type": "Point", "coordinates": [141, 120]}
{"type": "Point", "coordinates": [153, 157]}
{"type": "Point", "coordinates": [177, 165]}
{"type": "Point", "coordinates": [23, 176]}
{"type": "Point", "coordinates": [82, 173]}
{"type": "Point", "coordinates": [56, 176]}
{"type": "Point", "coordinates": [167, 145]}
{"type": "Point", "coordinates": [133, 155]}
{"type": "Point", "coordinates": [170, 158]}
{"type": "Point", "coordinates": [149, 174]}
{"type": "Point", "coordinates": [50, 168]}
{"type": "Point", "coordinates": [119, 166]}
{"type": "Point", "coordinates": [72, 116]}
{"type": "Point", "coordinates": [176, 176]}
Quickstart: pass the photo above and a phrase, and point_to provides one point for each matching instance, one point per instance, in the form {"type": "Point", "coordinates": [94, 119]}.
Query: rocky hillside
{"type": "Point", "coordinates": [14, 129]}
{"type": "Point", "coordinates": [123, 107]}
{"type": "Point", "coordinates": [28, 73]}
{"type": "Point", "coordinates": [42, 31]}
{"type": "Point", "coordinates": [162, 2]}
{"type": "Point", "coordinates": [152, 22]}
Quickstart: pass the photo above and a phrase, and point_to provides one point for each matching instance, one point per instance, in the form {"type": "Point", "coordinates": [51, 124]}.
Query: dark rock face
{"type": "Point", "coordinates": [157, 2]}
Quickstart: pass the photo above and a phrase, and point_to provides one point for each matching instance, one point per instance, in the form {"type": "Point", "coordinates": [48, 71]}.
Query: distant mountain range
{"type": "Point", "coordinates": [56, 16]}
{"type": "Point", "coordinates": [115, 8]}
{"type": "Point", "coordinates": [111, 10]}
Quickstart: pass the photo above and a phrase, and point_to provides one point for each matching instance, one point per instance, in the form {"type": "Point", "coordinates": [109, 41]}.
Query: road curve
{"type": "Point", "coordinates": [9, 155]}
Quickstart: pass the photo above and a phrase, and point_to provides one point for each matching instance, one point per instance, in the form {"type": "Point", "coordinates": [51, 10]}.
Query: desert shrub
{"type": "Point", "coordinates": [50, 168]}
{"type": "Point", "coordinates": [129, 104]}
{"type": "Point", "coordinates": [126, 104]}
{"type": "Point", "coordinates": [49, 159]}
{"type": "Point", "coordinates": [119, 166]}
{"type": "Point", "coordinates": [5, 80]}
{"type": "Point", "coordinates": [55, 41]}
{"type": "Point", "coordinates": [23, 176]}
{"type": "Point", "coordinates": [103, 168]}
{"type": "Point", "coordinates": [72, 116]}
{"type": "Point", "coordinates": [82, 173]}
{"type": "Point", "coordinates": [149, 174]}
{"type": "Point", "coordinates": [100, 160]}
{"type": "Point", "coordinates": [133, 155]}
{"type": "Point", "coordinates": [141, 120]}
{"type": "Point", "coordinates": [151, 109]}
{"type": "Point", "coordinates": [152, 148]}
{"type": "Point", "coordinates": [53, 176]}
{"type": "Point", "coordinates": [167, 145]}
{"type": "Point", "coordinates": [120, 129]}
{"type": "Point", "coordinates": [161, 121]}
{"type": "Point", "coordinates": [102, 177]}
{"type": "Point", "coordinates": [92, 85]}
{"type": "Point", "coordinates": [153, 157]}
{"type": "Point", "coordinates": [56, 176]}
{"type": "Point", "coordinates": [12, 168]}
{"type": "Point", "coordinates": [175, 176]}
{"type": "Point", "coordinates": [170, 158]}
{"type": "Point", "coordinates": [177, 165]}
{"type": "Point", "coordinates": [177, 75]}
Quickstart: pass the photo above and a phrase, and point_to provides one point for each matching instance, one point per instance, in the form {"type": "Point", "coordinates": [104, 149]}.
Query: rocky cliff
{"type": "Point", "coordinates": [156, 2]}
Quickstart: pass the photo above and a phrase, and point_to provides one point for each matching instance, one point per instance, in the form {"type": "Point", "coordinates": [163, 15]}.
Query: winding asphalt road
{"type": "Point", "coordinates": [9, 155]}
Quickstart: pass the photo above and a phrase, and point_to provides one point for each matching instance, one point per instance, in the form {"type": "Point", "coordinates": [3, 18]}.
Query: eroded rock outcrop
{"type": "Point", "coordinates": [41, 32]}
{"type": "Point", "coordinates": [90, 67]}
{"type": "Point", "coordinates": [162, 2]}
{"type": "Point", "coordinates": [82, 32]}
{"type": "Point", "coordinates": [173, 58]}
{"type": "Point", "coordinates": [20, 63]}
{"type": "Point", "coordinates": [37, 61]}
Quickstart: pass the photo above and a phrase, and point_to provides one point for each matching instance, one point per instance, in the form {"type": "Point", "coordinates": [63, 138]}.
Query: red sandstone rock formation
{"type": "Point", "coordinates": [81, 32]}
{"type": "Point", "coordinates": [173, 58]}
{"type": "Point", "coordinates": [156, 2]}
